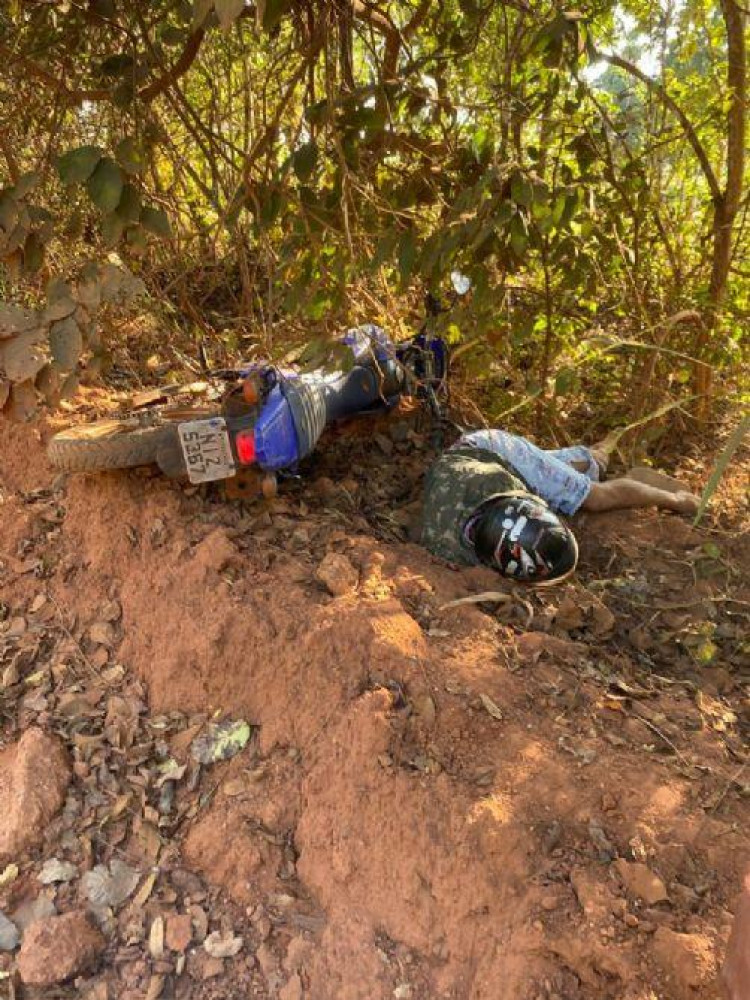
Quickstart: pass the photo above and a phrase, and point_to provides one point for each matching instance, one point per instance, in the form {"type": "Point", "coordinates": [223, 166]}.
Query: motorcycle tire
{"type": "Point", "coordinates": [109, 444]}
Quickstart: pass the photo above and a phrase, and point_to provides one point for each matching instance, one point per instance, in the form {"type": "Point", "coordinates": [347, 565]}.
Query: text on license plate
{"type": "Point", "coordinates": [207, 451]}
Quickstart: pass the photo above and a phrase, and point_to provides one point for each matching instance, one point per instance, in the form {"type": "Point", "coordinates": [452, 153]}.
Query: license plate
{"type": "Point", "coordinates": [207, 451]}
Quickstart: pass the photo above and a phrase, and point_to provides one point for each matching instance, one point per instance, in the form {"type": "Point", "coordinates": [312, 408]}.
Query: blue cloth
{"type": "Point", "coordinates": [548, 474]}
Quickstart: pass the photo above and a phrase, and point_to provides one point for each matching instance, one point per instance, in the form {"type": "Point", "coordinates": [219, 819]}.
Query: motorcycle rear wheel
{"type": "Point", "coordinates": [122, 443]}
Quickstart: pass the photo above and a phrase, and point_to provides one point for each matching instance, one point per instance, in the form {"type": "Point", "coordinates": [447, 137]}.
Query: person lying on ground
{"type": "Point", "coordinates": [493, 499]}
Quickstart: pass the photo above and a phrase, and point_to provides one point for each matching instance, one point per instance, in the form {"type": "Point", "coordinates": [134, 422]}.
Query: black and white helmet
{"type": "Point", "coordinates": [518, 535]}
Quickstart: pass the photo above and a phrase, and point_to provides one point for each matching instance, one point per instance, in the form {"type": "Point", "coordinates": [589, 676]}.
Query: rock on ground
{"type": "Point", "coordinates": [640, 881]}
{"type": "Point", "coordinates": [34, 777]}
{"type": "Point", "coordinates": [338, 574]}
{"type": "Point", "coordinates": [56, 948]}
{"type": "Point", "coordinates": [688, 959]}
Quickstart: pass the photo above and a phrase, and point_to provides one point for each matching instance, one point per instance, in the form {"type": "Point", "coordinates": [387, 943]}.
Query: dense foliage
{"type": "Point", "coordinates": [279, 168]}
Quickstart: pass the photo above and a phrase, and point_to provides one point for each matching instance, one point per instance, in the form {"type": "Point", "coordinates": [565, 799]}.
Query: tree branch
{"type": "Point", "coordinates": [78, 96]}
{"type": "Point", "coordinates": [669, 101]}
{"type": "Point", "coordinates": [10, 158]}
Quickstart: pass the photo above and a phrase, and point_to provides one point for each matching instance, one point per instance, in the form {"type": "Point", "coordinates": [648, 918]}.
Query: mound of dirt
{"type": "Point", "coordinates": [535, 796]}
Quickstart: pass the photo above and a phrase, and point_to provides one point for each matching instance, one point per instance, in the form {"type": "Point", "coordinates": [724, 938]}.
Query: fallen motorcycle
{"type": "Point", "coordinates": [252, 422]}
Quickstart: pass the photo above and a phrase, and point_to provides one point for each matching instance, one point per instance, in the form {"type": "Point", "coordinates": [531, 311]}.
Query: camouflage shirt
{"type": "Point", "coordinates": [461, 480]}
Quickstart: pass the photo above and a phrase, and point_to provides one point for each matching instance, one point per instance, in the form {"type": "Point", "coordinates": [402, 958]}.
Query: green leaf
{"type": "Point", "coordinates": [25, 183]}
{"type": "Point", "coordinates": [521, 190]}
{"type": "Point", "coordinates": [406, 254]}
{"type": "Point", "coordinates": [8, 212]}
{"type": "Point", "coordinates": [735, 440]}
{"type": "Point", "coordinates": [156, 222]}
{"type": "Point", "coordinates": [519, 239]}
{"type": "Point", "coordinates": [70, 386]}
{"type": "Point", "coordinates": [316, 112]}
{"type": "Point", "coordinates": [33, 253]}
{"type": "Point", "coordinates": [124, 94]}
{"type": "Point", "coordinates": [305, 159]}
{"type": "Point", "coordinates": [48, 384]}
{"type": "Point", "coordinates": [228, 11]}
{"type": "Point", "coordinates": [273, 12]}
{"type": "Point", "coordinates": [220, 741]}
{"type": "Point", "coordinates": [565, 381]}
{"type": "Point", "coordinates": [105, 185]}
{"type": "Point", "coordinates": [104, 8]}
{"type": "Point", "coordinates": [117, 65]}
{"type": "Point", "coordinates": [130, 156]}
{"type": "Point", "coordinates": [171, 35]}
{"type": "Point", "coordinates": [113, 226]}
{"type": "Point", "coordinates": [77, 165]}
{"type": "Point", "coordinates": [136, 239]}
{"type": "Point", "coordinates": [129, 208]}
{"type": "Point", "coordinates": [66, 343]}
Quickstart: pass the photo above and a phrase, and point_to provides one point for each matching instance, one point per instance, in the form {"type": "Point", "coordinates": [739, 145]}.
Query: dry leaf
{"type": "Point", "coordinates": [8, 875]}
{"type": "Point", "coordinates": [155, 987]}
{"type": "Point", "coordinates": [156, 938]}
{"type": "Point", "coordinates": [221, 741]}
{"type": "Point", "coordinates": [111, 886]}
{"type": "Point", "coordinates": [9, 935]}
{"type": "Point", "coordinates": [491, 707]}
{"type": "Point", "coordinates": [145, 890]}
{"type": "Point", "coordinates": [496, 596]}
{"type": "Point", "coordinates": [150, 841]}
{"type": "Point", "coordinates": [602, 619]}
{"type": "Point", "coordinates": [220, 945]}
{"type": "Point", "coordinates": [54, 870]}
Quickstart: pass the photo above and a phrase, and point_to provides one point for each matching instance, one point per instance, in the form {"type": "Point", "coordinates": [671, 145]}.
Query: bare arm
{"type": "Point", "coordinates": [621, 494]}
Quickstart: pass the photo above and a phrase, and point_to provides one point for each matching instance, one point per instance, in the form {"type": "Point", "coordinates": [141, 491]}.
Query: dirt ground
{"type": "Point", "coordinates": [541, 796]}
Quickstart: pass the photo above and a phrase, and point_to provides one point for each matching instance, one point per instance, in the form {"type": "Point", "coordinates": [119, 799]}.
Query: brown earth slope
{"type": "Point", "coordinates": [539, 796]}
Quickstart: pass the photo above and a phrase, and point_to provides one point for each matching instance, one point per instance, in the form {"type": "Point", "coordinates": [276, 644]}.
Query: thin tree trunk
{"type": "Point", "coordinates": [727, 205]}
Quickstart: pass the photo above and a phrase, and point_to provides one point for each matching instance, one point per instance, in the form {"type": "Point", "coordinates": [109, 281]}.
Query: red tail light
{"type": "Point", "coordinates": [245, 444]}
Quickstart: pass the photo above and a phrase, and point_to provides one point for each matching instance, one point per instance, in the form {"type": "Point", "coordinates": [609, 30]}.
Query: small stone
{"type": "Point", "coordinates": [631, 920]}
{"type": "Point", "coordinates": [34, 777]}
{"type": "Point", "coordinates": [337, 574]}
{"type": "Point", "coordinates": [424, 706]}
{"type": "Point", "coordinates": [102, 633]}
{"type": "Point", "coordinates": [384, 443]}
{"type": "Point", "coordinates": [112, 611]}
{"type": "Point", "coordinates": [9, 936]}
{"type": "Point", "coordinates": [38, 603]}
{"type": "Point", "coordinates": [550, 903]}
{"type": "Point", "coordinates": [16, 627]}
{"type": "Point", "coordinates": [640, 881]}
{"type": "Point", "coordinates": [179, 932]}
{"type": "Point", "coordinates": [100, 657]}
{"type": "Point", "coordinates": [56, 948]}
{"type": "Point", "coordinates": [609, 802]}
{"type": "Point", "coordinates": [212, 967]}
{"type": "Point", "coordinates": [687, 958]}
